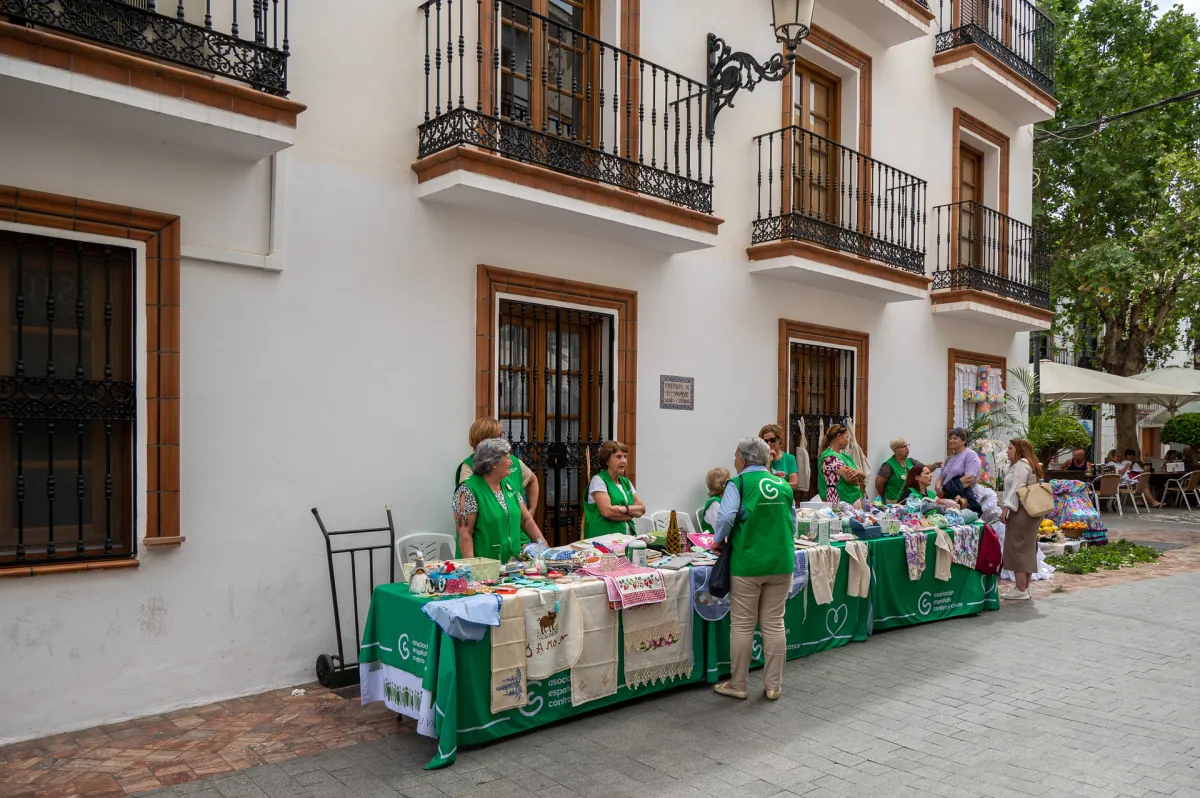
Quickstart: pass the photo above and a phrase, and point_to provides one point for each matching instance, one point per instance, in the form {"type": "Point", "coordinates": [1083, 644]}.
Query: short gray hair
{"type": "Point", "coordinates": [488, 453]}
{"type": "Point", "coordinates": [754, 451]}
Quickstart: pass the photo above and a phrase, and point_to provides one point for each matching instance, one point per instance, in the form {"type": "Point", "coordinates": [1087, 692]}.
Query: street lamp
{"type": "Point", "coordinates": [728, 72]}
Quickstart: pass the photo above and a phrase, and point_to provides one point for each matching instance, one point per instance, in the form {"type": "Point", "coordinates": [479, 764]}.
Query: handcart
{"type": "Point", "coordinates": [333, 670]}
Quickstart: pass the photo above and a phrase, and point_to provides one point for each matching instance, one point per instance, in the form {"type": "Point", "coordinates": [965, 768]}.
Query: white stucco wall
{"type": "Point", "coordinates": [346, 382]}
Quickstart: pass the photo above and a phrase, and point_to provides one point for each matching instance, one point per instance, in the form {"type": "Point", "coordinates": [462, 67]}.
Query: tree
{"type": "Point", "coordinates": [1120, 204]}
{"type": "Point", "coordinates": [1184, 429]}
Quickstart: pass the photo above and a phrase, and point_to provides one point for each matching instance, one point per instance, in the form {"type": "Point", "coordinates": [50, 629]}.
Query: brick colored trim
{"type": "Point", "coordinates": [530, 176]}
{"type": "Point", "coordinates": [916, 9]}
{"type": "Point", "coordinates": [964, 121]}
{"type": "Point", "coordinates": [975, 51]}
{"type": "Point", "coordinates": [843, 50]}
{"type": "Point", "coordinates": [68, 568]}
{"type": "Point", "coordinates": [491, 281]}
{"type": "Point", "coordinates": [991, 300]}
{"type": "Point", "coordinates": [859, 341]}
{"type": "Point", "coordinates": [956, 356]}
{"type": "Point", "coordinates": [631, 77]}
{"type": "Point", "coordinates": [126, 69]}
{"type": "Point", "coordinates": [160, 234]}
{"type": "Point", "coordinates": [841, 260]}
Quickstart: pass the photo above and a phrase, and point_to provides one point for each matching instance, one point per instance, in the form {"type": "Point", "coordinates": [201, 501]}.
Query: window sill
{"type": "Point", "coordinates": [163, 542]}
{"type": "Point", "coordinates": [67, 568]}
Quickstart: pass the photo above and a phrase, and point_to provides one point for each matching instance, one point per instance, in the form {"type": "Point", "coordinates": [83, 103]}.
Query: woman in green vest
{"type": "Point", "coordinates": [519, 477]}
{"type": "Point", "coordinates": [917, 483]}
{"type": "Point", "coordinates": [783, 464]}
{"type": "Point", "coordinates": [715, 480]}
{"type": "Point", "coordinates": [838, 477]}
{"type": "Point", "coordinates": [758, 519]}
{"type": "Point", "coordinates": [489, 514]}
{"type": "Point", "coordinates": [890, 480]}
{"type": "Point", "coordinates": [612, 503]}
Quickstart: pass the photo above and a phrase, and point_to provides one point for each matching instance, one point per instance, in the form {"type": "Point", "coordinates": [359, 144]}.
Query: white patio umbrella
{"type": "Point", "coordinates": [1178, 377]}
{"type": "Point", "coordinates": [1083, 386]}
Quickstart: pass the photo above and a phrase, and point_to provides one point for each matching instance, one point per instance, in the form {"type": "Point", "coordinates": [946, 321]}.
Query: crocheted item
{"type": "Point", "coordinates": [595, 673]}
{"type": "Point", "coordinates": [630, 585]}
{"type": "Point", "coordinates": [658, 637]}
{"type": "Point", "coordinates": [508, 656]}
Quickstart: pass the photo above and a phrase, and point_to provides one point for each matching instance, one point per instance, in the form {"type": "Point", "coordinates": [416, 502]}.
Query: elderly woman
{"type": "Point", "coordinates": [783, 464]}
{"type": "Point", "coordinates": [1020, 528]}
{"type": "Point", "coordinates": [489, 513]}
{"type": "Point", "coordinates": [960, 471]}
{"type": "Point", "coordinates": [612, 503]}
{"type": "Point", "coordinates": [758, 519]}
{"type": "Point", "coordinates": [838, 477]}
{"type": "Point", "coordinates": [715, 480]}
{"type": "Point", "coordinates": [890, 480]}
{"type": "Point", "coordinates": [520, 477]}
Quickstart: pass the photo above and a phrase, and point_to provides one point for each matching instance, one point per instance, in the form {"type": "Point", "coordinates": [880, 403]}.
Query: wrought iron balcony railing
{"type": "Point", "coordinates": [1083, 353]}
{"type": "Point", "coordinates": [540, 90]}
{"type": "Point", "coordinates": [981, 249]}
{"type": "Point", "coordinates": [1015, 32]}
{"type": "Point", "coordinates": [210, 41]}
{"type": "Point", "coordinates": [814, 189]}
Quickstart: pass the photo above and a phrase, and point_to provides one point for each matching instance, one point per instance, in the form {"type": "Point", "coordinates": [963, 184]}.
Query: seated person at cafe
{"type": "Point", "coordinates": [715, 481]}
{"type": "Point", "coordinates": [489, 513]}
{"type": "Point", "coordinates": [838, 477]}
{"type": "Point", "coordinates": [521, 478]}
{"type": "Point", "coordinates": [1078, 462]}
{"type": "Point", "coordinates": [612, 503]}
{"type": "Point", "coordinates": [890, 480]}
{"type": "Point", "coordinates": [783, 464]}
{"type": "Point", "coordinates": [960, 471]}
{"type": "Point", "coordinates": [1174, 456]}
{"type": "Point", "coordinates": [918, 483]}
{"type": "Point", "coordinates": [1129, 468]}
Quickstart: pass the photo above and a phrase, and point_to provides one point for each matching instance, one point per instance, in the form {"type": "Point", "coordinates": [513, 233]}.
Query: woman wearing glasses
{"type": "Point", "coordinates": [783, 464]}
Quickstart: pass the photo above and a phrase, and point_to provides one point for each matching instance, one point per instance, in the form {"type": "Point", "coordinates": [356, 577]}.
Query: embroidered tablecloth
{"type": "Point", "coordinates": [632, 586]}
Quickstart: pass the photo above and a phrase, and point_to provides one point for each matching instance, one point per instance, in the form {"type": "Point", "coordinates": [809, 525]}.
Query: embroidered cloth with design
{"type": "Point", "coordinates": [630, 585]}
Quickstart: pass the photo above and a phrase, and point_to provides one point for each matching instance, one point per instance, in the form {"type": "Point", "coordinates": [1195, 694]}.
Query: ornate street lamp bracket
{"type": "Point", "coordinates": [730, 72]}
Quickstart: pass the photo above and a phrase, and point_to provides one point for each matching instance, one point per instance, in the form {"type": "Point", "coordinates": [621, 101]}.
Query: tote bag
{"type": "Point", "coordinates": [1037, 500]}
{"type": "Point", "coordinates": [991, 553]}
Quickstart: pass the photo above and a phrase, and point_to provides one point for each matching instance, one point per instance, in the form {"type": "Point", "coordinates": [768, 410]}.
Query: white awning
{"type": "Point", "coordinates": [1177, 377]}
{"type": "Point", "coordinates": [1082, 386]}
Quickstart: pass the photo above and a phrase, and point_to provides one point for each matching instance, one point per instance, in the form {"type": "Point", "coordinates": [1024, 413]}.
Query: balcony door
{"type": "Point", "coordinates": [970, 220]}
{"type": "Point", "coordinates": [815, 109]}
{"type": "Point", "coordinates": [547, 61]}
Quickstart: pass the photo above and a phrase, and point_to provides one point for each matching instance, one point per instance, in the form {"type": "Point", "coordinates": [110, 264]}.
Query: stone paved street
{"type": "Point", "coordinates": [1095, 693]}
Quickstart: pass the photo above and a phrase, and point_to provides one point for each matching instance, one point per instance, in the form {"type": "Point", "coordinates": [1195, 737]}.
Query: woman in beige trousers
{"type": "Point", "coordinates": [757, 519]}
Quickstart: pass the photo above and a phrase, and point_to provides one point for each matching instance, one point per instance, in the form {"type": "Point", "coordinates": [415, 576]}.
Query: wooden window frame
{"type": "Point", "coordinates": [491, 282]}
{"type": "Point", "coordinates": [159, 233]}
{"type": "Point", "coordinates": [790, 145]}
{"type": "Point", "coordinates": [965, 121]}
{"type": "Point", "coordinates": [826, 42]}
{"type": "Point", "coordinates": [955, 357]}
{"type": "Point", "coordinates": [860, 342]}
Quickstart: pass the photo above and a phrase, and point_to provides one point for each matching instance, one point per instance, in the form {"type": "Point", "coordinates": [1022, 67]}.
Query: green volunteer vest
{"type": "Point", "coordinates": [846, 492]}
{"type": "Point", "coordinates": [595, 524]}
{"type": "Point", "coordinates": [895, 484]}
{"type": "Point", "coordinates": [762, 540]}
{"type": "Point", "coordinates": [929, 494]}
{"type": "Point", "coordinates": [498, 534]}
{"type": "Point", "coordinates": [704, 525]}
{"type": "Point", "coordinates": [513, 478]}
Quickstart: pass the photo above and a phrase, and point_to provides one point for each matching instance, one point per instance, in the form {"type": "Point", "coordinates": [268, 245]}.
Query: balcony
{"type": "Point", "coordinates": [835, 219]}
{"type": "Point", "coordinates": [991, 269]}
{"type": "Point", "coordinates": [889, 22]}
{"type": "Point", "coordinates": [554, 127]}
{"type": "Point", "coordinates": [1000, 52]}
{"type": "Point", "coordinates": [200, 73]}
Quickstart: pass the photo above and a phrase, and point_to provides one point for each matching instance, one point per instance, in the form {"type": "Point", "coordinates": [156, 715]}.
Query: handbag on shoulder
{"type": "Point", "coordinates": [1037, 500]}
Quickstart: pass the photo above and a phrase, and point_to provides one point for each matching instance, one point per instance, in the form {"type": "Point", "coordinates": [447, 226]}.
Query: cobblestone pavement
{"type": "Point", "coordinates": [1095, 693]}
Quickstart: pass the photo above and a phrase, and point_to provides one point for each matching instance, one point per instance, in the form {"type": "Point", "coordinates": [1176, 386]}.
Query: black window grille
{"type": "Point", "coordinates": [67, 400]}
{"type": "Point", "coordinates": [556, 401]}
{"type": "Point", "coordinates": [822, 391]}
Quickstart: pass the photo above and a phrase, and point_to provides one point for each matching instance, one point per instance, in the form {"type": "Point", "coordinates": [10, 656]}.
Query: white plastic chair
{"type": "Point", "coordinates": [436, 546]}
{"type": "Point", "coordinates": [662, 519]}
{"type": "Point", "coordinates": [1184, 485]}
{"type": "Point", "coordinates": [1107, 487]}
{"type": "Point", "coordinates": [1138, 491]}
{"type": "Point", "coordinates": [699, 519]}
{"type": "Point", "coordinates": [643, 526]}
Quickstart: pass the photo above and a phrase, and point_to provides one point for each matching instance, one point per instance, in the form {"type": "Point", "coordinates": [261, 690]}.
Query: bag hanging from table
{"type": "Point", "coordinates": [991, 553]}
{"type": "Point", "coordinates": [1037, 500]}
{"type": "Point", "coordinates": [719, 580]}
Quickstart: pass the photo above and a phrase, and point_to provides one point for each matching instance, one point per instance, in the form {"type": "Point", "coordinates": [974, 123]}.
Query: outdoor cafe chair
{"type": "Point", "coordinates": [662, 519]}
{"type": "Point", "coordinates": [436, 546]}
{"type": "Point", "coordinates": [1107, 487]}
{"type": "Point", "coordinates": [1138, 491]}
{"type": "Point", "coordinates": [1182, 486]}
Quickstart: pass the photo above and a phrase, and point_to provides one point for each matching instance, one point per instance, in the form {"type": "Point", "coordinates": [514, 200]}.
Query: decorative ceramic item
{"type": "Point", "coordinates": [673, 544]}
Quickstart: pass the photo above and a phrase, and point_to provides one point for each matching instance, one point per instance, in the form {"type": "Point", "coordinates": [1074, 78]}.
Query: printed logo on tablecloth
{"type": "Point", "coordinates": [402, 646]}
{"type": "Point", "coordinates": [557, 694]}
{"type": "Point", "coordinates": [988, 589]}
{"type": "Point", "coordinates": [836, 616]}
{"type": "Point", "coordinates": [923, 605]}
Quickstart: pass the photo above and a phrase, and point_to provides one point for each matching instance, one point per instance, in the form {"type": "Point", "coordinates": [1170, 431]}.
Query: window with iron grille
{"type": "Point", "coordinates": [67, 400]}
{"type": "Point", "coordinates": [821, 393]}
{"type": "Point", "coordinates": [556, 398]}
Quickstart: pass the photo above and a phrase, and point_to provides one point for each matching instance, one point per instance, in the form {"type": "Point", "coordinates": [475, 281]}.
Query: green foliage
{"type": "Point", "coordinates": [1088, 560]}
{"type": "Point", "coordinates": [1050, 433]}
{"type": "Point", "coordinates": [1120, 204]}
{"type": "Point", "coordinates": [1053, 428]}
{"type": "Point", "coordinates": [1184, 429]}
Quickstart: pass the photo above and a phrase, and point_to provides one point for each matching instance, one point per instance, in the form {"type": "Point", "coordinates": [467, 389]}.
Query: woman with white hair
{"type": "Point", "coordinates": [758, 519]}
{"type": "Point", "coordinates": [489, 513]}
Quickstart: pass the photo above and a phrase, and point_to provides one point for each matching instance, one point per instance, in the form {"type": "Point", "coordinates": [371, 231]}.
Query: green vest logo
{"type": "Point", "coordinates": [769, 487]}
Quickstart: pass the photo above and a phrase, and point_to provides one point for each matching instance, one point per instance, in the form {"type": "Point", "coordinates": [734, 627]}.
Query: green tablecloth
{"type": "Point", "coordinates": [897, 600]}
{"type": "Point", "coordinates": [419, 671]}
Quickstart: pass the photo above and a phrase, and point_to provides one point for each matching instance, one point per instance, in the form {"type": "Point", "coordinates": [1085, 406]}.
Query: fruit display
{"type": "Point", "coordinates": [1073, 529]}
{"type": "Point", "coordinates": [1047, 531]}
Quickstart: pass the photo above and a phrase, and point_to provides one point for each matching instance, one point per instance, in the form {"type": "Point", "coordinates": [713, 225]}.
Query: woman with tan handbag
{"type": "Point", "coordinates": [1021, 522]}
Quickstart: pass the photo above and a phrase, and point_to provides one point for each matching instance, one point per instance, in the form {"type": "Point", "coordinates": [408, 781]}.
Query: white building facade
{"type": "Point", "coordinates": [229, 301]}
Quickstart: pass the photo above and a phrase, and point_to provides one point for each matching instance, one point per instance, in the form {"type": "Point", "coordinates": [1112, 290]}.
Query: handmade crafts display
{"type": "Point", "coordinates": [658, 637]}
{"type": "Point", "coordinates": [508, 656]}
{"type": "Point", "coordinates": [1072, 504]}
{"type": "Point", "coordinates": [965, 550]}
{"type": "Point", "coordinates": [989, 391]}
{"type": "Point", "coordinates": [595, 673]}
{"type": "Point", "coordinates": [553, 631]}
{"type": "Point", "coordinates": [859, 583]}
{"type": "Point", "coordinates": [823, 562]}
{"type": "Point", "coordinates": [914, 552]}
{"type": "Point", "coordinates": [629, 585]}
